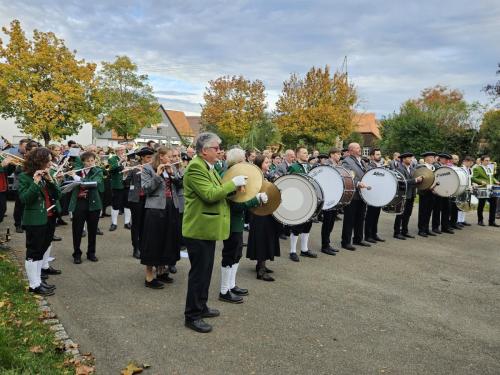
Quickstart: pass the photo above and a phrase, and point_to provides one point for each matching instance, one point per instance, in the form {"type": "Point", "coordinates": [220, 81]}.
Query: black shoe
{"type": "Point", "coordinates": [377, 238]}
{"type": "Point", "coordinates": [61, 222]}
{"type": "Point", "coordinates": [50, 271]}
{"type": "Point", "coordinates": [48, 286]}
{"type": "Point", "coordinates": [127, 226]}
{"type": "Point", "coordinates": [137, 253]}
{"type": "Point", "coordinates": [198, 326]}
{"type": "Point", "coordinates": [362, 243]}
{"type": "Point", "coordinates": [283, 237]}
{"type": "Point", "coordinates": [84, 233]}
{"type": "Point", "coordinates": [153, 284]}
{"type": "Point", "coordinates": [436, 231]}
{"type": "Point", "coordinates": [92, 258]}
{"type": "Point", "coordinates": [210, 313]}
{"type": "Point", "coordinates": [262, 275]}
{"type": "Point", "coordinates": [371, 240]}
{"type": "Point", "coordinates": [239, 291]}
{"type": "Point", "coordinates": [294, 257]}
{"type": "Point", "coordinates": [56, 238]}
{"type": "Point", "coordinates": [408, 235]}
{"type": "Point", "coordinates": [348, 247]}
{"type": "Point", "coordinates": [172, 269]}
{"type": "Point", "coordinates": [480, 223]}
{"type": "Point", "coordinates": [112, 227]}
{"type": "Point", "coordinates": [42, 291]}
{"type": "Point", "coordinates": [308, 254]}
{"type": "Point", "coordinates": [165, 278]}
{"type": "Point", "coordinates": [268, 270]}
{"type": "Point", "coordinates": [77, 260]}
{"type": "Point", "coordinates": [328, 250]}
{"type": "Point", "coordinates": [494, 225]}
{"type": "Point", "coordinates": [457, 227]}
{"type": "Point", "coordinates": [19, 229]}
{"type": "Point", "coordinates": [431, 234]}
{"type": "Point", "coordinates": [465, 224]}
{"type": "Point", "coordinates": [422, 234]}
{"type": "Point", "coordinates": [99, 232]}
{"type": "Point", "coordinates": [449, 231]}
{"type": "Point", "coordinates": [230, 297]}
{"type": "Point", "coordinates": [399, 236]}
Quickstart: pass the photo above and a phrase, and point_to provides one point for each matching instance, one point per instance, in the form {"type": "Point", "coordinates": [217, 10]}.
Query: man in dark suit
{"type": "Point", "coordinates": [426, 199]}
{"type": "Point", "coordinates": [401, 221]}
{"type": "Point", "coordinates": [373, 213]}
{"type": "Point", "coordinates": [354, 213]}
{"type": "Point", "coordinates": [441, 210]}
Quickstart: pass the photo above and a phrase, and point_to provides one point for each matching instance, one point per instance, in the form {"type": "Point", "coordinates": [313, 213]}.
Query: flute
{"type": "Point", "coordinates": [77, 170]}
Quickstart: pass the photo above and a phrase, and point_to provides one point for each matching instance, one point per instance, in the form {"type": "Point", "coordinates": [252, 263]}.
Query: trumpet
{"type": "Point", "coordinates": [16, 160]}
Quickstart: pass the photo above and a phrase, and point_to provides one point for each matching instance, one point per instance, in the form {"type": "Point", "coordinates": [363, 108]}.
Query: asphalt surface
{"type": "Point", "coordinates": [422, 306]}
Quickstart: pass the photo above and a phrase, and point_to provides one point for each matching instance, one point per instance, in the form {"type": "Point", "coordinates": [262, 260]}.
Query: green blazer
{"type": "Point", "coordinates": [33, 198]}
{"type": "Point", "coordinates": [114, 171]}
{"type": "Point", "coordinates": [93, 196]}
{"type": "Point", "coordinates": [480, 177]}
{"type": "Point", "coordinates": [206, 210]}
{"type": "Point", "coordinates": [299, 168]}
{"type": "Point", "coordinates": [238, 213]}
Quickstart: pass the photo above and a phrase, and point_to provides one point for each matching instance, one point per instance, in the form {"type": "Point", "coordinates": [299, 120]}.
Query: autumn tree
{"type": "Point", "coordinates": [490, 131]}
{"type": "Point", "coordinates": [126, 100]}
{"type": "Point", "coordinates": [317, 108]}
{"type": "Point", "coordinates": [494, 89]}
{"type": "Point", "coordinates": [43, 86]}
{"type": "Point", "coordinates": [232, 105]}
{"type": "Point", "coordinates": [262, 133]}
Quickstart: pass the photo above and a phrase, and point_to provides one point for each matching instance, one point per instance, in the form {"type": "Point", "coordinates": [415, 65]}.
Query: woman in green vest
{"type": "Point", "coordinates": [38, 192]}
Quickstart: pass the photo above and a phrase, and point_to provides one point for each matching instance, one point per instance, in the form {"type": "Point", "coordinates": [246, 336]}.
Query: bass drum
{"type": "Point", "coordinates": [396, 209]}
{"type": "Point", "coordinates": [385, 187]}
{"type": "Point", "coordinates": [301, 199]}
{"type": "Point", "coordinates": [337, 185]}
{"type": "Point", "coordinates": [450, 181]}
{"type": "Point", "coordinates": [467, 202]}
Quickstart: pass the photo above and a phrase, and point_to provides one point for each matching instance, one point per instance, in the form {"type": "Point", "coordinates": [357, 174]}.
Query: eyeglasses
{"type": "Point", "coordinates": [216, 148]}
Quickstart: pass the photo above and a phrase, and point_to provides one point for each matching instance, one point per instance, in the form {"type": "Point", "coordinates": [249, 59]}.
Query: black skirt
{"type": "Point", "coordinates": [161, 236]}
{"type": "Point", "coordinates": [263, 239]}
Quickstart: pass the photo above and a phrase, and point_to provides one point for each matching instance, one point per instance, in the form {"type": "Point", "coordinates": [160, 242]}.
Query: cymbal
{"type": "Point", "coordinates": [273, 202]}
{"type": "Point", "coordinates": [254, 181]}
{"type": "Point", "coordinates": [422, 170]}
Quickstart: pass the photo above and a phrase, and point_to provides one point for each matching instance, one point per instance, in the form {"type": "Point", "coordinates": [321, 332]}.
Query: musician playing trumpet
{"type": "Point", "coordinates": [120, 193]}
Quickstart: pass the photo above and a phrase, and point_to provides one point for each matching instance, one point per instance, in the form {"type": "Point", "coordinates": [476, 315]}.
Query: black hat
{"type": "Point", "coordinates": [312, 158]}
{"type": "Point", "coordinates": [345, 149]}
{"type": "Point", "coordinates": [185, 157]}
{"type": "Point", "coordinates": [444, 155]}
{"type": "Point", "coordinates": [322, 156]}
{"type": "Point", "coordinates": [428, 153]}
{"type": "Point", "coordinates": [145, 151]}
{"type": "Point", "coordinates": [406, 155]}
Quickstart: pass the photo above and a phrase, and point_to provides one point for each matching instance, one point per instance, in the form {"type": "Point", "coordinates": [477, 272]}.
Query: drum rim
{"type": "Point", "coordinates": [395, 181]}
{"type": "Point", "coordinates": [460, 186]}
{"type": "Point", "coordinates": [333, 168]}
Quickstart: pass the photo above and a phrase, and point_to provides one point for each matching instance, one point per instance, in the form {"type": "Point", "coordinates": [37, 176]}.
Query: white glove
{"type": "Point", "coordinates": [262, 197]}
{"type": "Point", "coordinates": [240, 180]}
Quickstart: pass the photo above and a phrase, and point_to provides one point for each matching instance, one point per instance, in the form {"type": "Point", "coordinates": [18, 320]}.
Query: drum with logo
{"type": "Point", "coordinates": [495, 191]}
{"type": "Point", "coordinates": [482, 193]}
{"type": "Point", "coordinates": [385, 187]}
{"type": "Point", "coordinates": [337, 185]}
{"type": "Point", "coordinates": [301, 199]}
{"type": "Point", "coordinates": [450, 181]}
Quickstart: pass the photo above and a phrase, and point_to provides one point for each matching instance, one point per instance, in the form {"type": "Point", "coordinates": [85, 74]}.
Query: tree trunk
{"type": "Point", "coordinates": [46, 138]}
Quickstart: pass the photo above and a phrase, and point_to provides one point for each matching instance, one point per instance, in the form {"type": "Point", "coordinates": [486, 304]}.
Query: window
{"type": "Point", "coordinates": [366, 151]}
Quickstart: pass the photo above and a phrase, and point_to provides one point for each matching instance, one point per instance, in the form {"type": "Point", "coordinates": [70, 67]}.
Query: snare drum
{"type": "Point", "coordinates": [481, 193]}
{"type": "Point", "coordinates": [387, 188]}
{"type": "Point", "coordinates": [466, 202]}
{"type": "Point", "coordinates": [450, 181]}
{"type": "Point", "coordinates": [301, 199]}
{"type": "Point", "coordinates": [337, 185]}
{"type": "Point", "coordinates": [495, 191]}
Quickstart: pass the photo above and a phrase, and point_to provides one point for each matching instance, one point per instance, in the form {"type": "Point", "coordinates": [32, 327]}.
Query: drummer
{"type": "Point", "coordinates": [441, 211]}
{"type": "Point", "coordinates": [467, 164]}
{"type": "Point", "coordinates": [483, 176]}
{"type": "Point", "coordinates": [373, 213]}
{"type": "Point", "coordinates": [426, 199]}
{"type": "Point", "coordinates": [329, 216]}
{"type": "Point", "coordinates": [301, 166]}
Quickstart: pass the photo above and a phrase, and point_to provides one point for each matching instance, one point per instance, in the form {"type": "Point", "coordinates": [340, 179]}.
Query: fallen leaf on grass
{"type": "Point", "coordinates": [131, 369]}
{"type": "Point", "coordinates": [84, 370]}
{"type": "Point", "coordinates": [145, 365]}
{"type": "Point", "coordinates": [36, 349]}
{"type": "Point", "coordinates": [27, 324]}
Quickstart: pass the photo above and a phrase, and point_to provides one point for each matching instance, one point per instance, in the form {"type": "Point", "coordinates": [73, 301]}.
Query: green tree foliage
{"type": "Point", "coordinates": [43, 86]}
{"type": "Point", "coordinates": [494, 89]}
{"type": "Point", "coordinates": [126, 99]}
{"type": "Point", "coordinates": [261, 134]}
{"type": "Point", "coordinates": [490, 131]}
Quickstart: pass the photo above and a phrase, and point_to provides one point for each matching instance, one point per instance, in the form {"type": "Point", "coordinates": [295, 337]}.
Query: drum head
{"type": "Point", "coordinates": [383, 187]}
{"type": "Point", "coordinates": [447, 182]}
{"type": "Point", "coordinates": [331, 183]}
{"type": "Point", "coordinates": [299, 200]}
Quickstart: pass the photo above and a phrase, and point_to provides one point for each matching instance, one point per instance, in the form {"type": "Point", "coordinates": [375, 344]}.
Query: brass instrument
{"type": "Point", "coordinates": [16, 160]}
{"type": "Point", "coordinates": [427, 174]}
{"type": "Point", "coordinates": [77, 170]}
{"type": "Point", "coordinates": [273, 202]}
{"type": "Point", "coordinates": [254, 182]}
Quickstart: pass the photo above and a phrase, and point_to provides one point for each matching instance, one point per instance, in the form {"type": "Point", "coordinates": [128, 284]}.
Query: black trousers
{"type": "Point", "coordinates": [3, 204]}
{"type": "Point", "coordinates": [18, 211]}
{"type": "Point", "coordinates": [354, 218]}
{"type": "Point", "coordinates": [425, 207]}
{"type": "Point", "coordinates": [453, 213]}
{"type": "Point", "coordinates": [493, 208]}
{"type": "Point", "coordinates": [201, 256]}
{"type": "Point", "coordinates": [233, 249]}
{"type": "Point", "coordinates": [436, 213]}
{"type": "Point", "coordinates": [401, 221]}
{"type": "Point", "coordinates": [301, 228]}
{"type": "Point", "coordinates": [120, 199]}
{"type": "Point", "coordinates": [371, 221]}
{"type": "Point", "coordinates": [444, 204]}
{"type": "Point", "coordinates": [327, 227]}
{"type": "Point", "coordinates": [137, 209]}
{"type": "Point", "coordinates": [38, 238]}
{"type": "Point", "coordinates": [81, 214]}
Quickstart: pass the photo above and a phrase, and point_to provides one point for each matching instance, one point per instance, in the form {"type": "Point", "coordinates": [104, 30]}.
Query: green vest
{"type": "Point", "coordinates": [299, 168]}
{"type": "Point", "coordinates": [93, 196]}
{"type": "Point", "coordinates": [114, 171]}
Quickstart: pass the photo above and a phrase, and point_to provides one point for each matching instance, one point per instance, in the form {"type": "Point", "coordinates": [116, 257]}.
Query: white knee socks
{"type": "Point", "coordinates": [304, 239]}
{"type": "Point", "coordinates": [114, 216]}
{"type": "Point", "coordinates": [234, 270]}
{"type": "Point", "coordinates": [293, 243]}
{"type": "Point", "coordinates": [461, 217]}
{"type": "Point", "coordinates": [128, 215]}
{"type": "Point", "coordinates": [46, 258]}
{"type": "Point", "coordinates": [32, 273]}
{"type": "Point", "coordinates": [225, 279]}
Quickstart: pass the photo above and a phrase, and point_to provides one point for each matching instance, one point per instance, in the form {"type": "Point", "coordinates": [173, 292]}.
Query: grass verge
{"type": "Point", "coordinates": [27, 346]}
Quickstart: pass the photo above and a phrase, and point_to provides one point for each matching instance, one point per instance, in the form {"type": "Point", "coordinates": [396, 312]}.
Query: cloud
{"type": "Point", "coordinates": [394, 48]}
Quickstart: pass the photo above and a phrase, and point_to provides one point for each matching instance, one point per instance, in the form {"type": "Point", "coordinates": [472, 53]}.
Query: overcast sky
{"type": "Point", "coordinates": [394, 49]}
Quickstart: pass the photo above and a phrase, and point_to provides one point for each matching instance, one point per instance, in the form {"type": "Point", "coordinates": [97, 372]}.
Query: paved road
{"type": "Point", "coordinates": [426, 306]}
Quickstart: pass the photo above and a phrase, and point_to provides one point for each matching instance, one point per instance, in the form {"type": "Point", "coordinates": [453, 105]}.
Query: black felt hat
{"type": "Point", "coordinates": [406, 155]}
{"type": "Point", "coordinates": [428, 153]}
{"type": "Point", "coordinates": [145, 151]}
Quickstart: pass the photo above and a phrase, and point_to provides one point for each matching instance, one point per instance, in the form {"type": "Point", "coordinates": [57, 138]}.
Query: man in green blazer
{"type": "Point", "coordinates": [120, 190]}
{"type": "Point", "coordinates": [483, 176]}
{"type": "Point", "coordinates": [206, 219]}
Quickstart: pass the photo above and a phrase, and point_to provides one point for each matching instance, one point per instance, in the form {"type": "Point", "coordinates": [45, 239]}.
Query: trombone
{"type": "Point", "coordinates": [16, 160]}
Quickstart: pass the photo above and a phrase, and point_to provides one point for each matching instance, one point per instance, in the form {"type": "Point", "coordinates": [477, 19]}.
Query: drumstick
{"type": "Point", "coordinates": [51, 207]}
